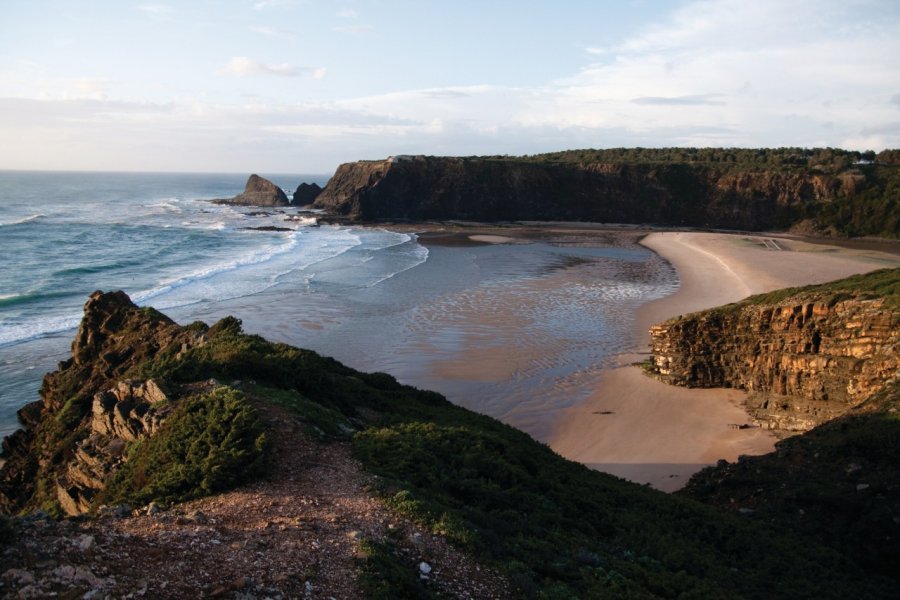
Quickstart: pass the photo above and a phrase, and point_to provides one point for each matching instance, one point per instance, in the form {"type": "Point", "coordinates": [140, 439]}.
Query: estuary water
{"type": "Point", "coordinates": [544, 315]}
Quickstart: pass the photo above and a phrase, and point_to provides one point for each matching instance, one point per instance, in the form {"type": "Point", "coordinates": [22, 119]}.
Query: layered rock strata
{"type": "Point", "coordinates": [805, 359]}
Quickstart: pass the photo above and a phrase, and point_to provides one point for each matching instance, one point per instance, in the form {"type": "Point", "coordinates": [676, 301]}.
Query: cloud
{"type": "Point", "coordinates": [241, 66]}
{"type": "Point", "coordinates": [272, 32]}
{"type": "Point", "coordinates": [711, 73]}
{"type": "Point", "coordinates": [347, 13]}
{"type": "Point", "coordinates": [265, 4]}
{"type": "Point", "coordinates": [354, 29]}
{"type": "Point", "coordinates": [692, 100]}
{"type": "Point", "coordinates": [155, 9]}
{"type": "Point", "coordinates": [444, 93]}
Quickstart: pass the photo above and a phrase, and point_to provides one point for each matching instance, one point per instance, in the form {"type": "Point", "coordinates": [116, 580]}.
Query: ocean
{"type": "Point", "coordinates": [543, 316]}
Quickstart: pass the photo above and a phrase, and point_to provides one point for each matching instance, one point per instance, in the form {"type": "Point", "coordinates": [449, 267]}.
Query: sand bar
{"type": "Point", "coordinates": [649, 432]}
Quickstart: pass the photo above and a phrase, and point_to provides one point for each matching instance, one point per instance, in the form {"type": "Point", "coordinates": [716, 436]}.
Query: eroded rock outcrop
{"type": "Point", "coordinates": [91, 406]}
{"type": "Point", "coordinates": [259, 191]}
{"type": "Point", "coordinates": [130, 411]}
{"type": "Point", "coordinates": [805, 358]}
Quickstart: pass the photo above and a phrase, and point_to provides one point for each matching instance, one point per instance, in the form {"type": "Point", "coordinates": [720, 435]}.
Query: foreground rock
{"type": "Point", "coordinates": [213, 463]}
{"type": "Point", "coordinates": [259, 191]}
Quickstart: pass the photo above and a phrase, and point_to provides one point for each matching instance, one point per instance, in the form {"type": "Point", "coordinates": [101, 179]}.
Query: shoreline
{"type": "Point", "coordinates": [635, 427]}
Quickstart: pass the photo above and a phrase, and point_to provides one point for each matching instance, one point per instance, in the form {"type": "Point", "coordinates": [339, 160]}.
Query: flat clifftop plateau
{"type": "Point", "coordinates": [806, 355]}
{"type": "Point", "coordinates": [202, 460]}
{"type": "Point", "coordinates": [684, 194]}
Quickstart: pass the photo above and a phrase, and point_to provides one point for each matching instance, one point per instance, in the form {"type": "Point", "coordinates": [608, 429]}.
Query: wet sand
{"type": "Point", "coordinates": [635, 427]}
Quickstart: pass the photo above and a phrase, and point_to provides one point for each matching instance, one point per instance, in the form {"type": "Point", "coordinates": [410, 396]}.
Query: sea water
{"type": "Point", "coordinates": [158, 238]}
{"type": "Point", "coordinates": [373, 298]}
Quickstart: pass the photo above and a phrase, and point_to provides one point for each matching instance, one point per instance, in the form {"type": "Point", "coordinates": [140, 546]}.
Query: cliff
{"type": "Point", "coordinates": [671, 193]}
{"type": "Point", "coordinates": [259, 191]}
{"type": "Point", "coordinates": [212, 462]}
{"type": "Point", "coordinates": [806, 355]}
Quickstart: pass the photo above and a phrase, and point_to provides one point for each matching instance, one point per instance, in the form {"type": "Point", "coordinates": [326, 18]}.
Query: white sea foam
{"type": "Point", "coordinates": [20, 332]}
{"type": "Point", "coordinates": [252, 273]}
{"type": "Point", "coordinates": [23, 220]}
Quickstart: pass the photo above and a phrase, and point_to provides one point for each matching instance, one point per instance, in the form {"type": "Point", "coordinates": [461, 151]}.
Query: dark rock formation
{"type": "Point", "coordinates": [671, 194]}
{"type": "Point", "coordinates": [259, 192]}
{"type": "Point", "coordinates": [806, 357]}
{"type": "Point", "coordinates": [305, 194]}
{"type": "Point", "coordinates": [90, 395]}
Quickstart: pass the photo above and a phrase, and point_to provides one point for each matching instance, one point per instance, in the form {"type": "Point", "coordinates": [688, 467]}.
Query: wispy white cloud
{"type": "Point", "coordinates": [715, 72]}
{"type": "Point", "coordinates": [354, 29]}
{"type": "Point", "coordinates": [264, 4]}
{"type": "Point", "coordinates": [156, 9]}
{"type": "Point", "coordinates": [272, 32]}
{"type": "Point", "coordinates": [347, 13]}
{"type": "Point", "coordinates": [241, 66]}
{"type": "Point", "coordinates": [690, 100]}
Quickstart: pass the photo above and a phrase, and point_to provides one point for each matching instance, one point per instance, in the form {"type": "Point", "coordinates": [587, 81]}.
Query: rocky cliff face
{"type": "Point", "coordinates": [259, 191]}
{"type": "Point", "coordinates": [90, 408]}
{"type": "Point", "coordinates": [805, 358]}
{"type": "Point", "coordinates": [675, 194]}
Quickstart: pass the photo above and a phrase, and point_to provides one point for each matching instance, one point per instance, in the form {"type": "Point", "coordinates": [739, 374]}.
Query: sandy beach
{"type": "Point", "coordinates": [635, 427]}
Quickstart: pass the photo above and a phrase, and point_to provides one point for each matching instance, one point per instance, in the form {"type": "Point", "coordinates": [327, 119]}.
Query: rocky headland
{"type": "Point", "coordinates": [806, 355]}
{"type": "Point", "coordinates": [746, 190]}
{"type": "Point", "coordinates": [203, 460]}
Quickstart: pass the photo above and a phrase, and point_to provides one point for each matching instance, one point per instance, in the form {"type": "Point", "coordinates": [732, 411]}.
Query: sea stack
{"type": "Point", "coordinates": [259, 191]}
{"type": "Point", "coordinates": [306, 193]}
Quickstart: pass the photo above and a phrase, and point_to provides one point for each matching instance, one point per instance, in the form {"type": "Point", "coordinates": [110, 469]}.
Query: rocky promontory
{"type": "Point", "coordinates": [709, 188]}
{"type": "Point", "coordinates": [259, 191]}
{"type": "Point", "coordinates": [205, 461]}
{"type": "Point", "coordinates": [806, 355]}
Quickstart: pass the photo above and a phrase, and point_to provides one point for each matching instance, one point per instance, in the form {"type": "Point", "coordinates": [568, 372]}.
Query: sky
{"type": "Point", "coordinates": [300, 86]}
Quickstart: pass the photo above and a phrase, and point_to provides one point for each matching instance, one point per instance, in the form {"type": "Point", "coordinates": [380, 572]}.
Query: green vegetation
{"type": "Point", "coordinates": [836, 484]}
{"type": "Point", "coordinates": [210, 443]}
{"type": "Point", "coordinates": [859, 194]}
{"type": "Point", "coordinates": [883, 283]}
{"type": "Point", "coordinates": [384, 575]}
{"type": "Point", "coordinates": [822, 159]}
{"type": "Point", "coordinates": [556, 528]}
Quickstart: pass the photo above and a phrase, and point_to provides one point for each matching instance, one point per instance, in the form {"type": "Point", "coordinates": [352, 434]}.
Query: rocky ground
{"type": "Point", "coordinates": [298, 533]}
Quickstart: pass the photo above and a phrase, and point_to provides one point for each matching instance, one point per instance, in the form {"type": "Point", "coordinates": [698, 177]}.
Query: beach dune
{"type": "Point", "coordinates": [637, 428]}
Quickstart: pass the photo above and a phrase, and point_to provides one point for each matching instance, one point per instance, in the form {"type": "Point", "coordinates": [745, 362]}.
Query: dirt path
{"type": "Point", "coordinates": [296, 534]}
